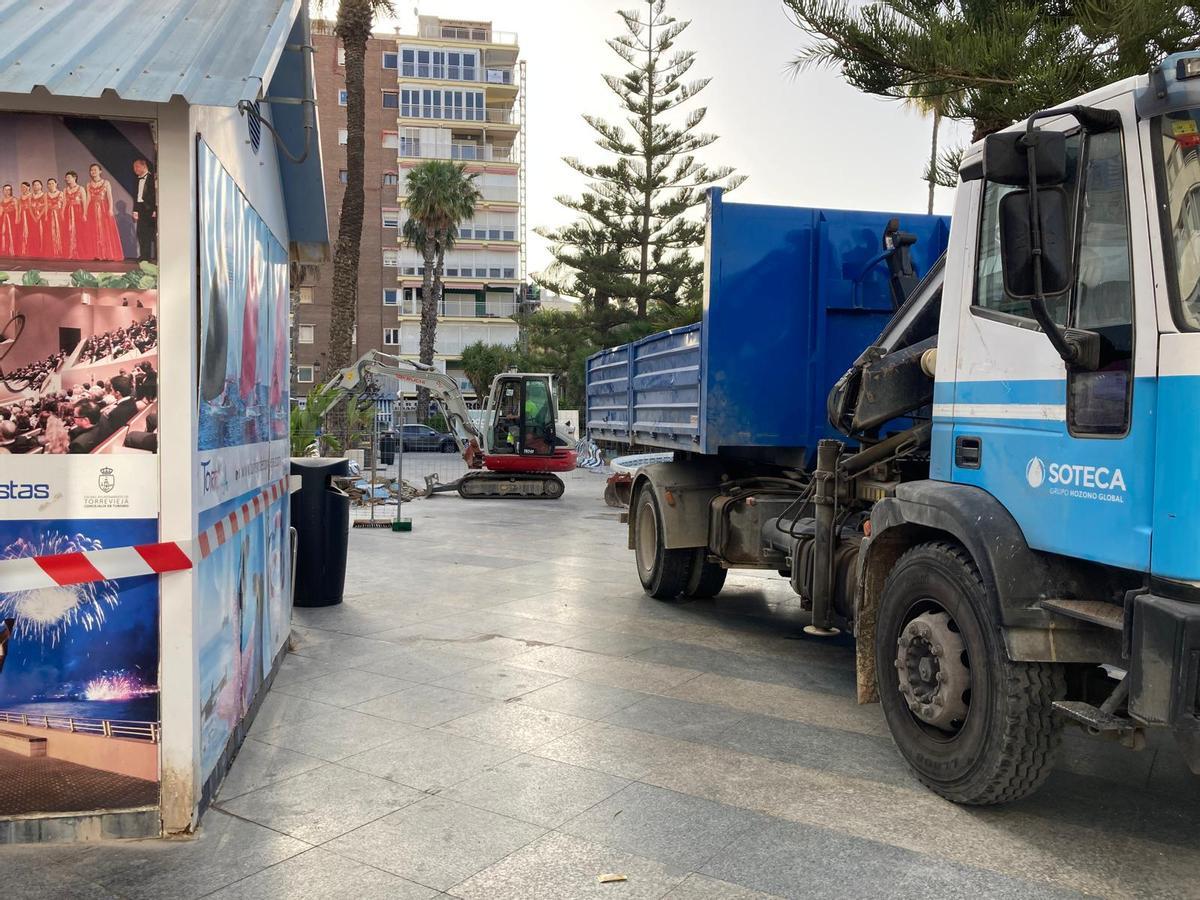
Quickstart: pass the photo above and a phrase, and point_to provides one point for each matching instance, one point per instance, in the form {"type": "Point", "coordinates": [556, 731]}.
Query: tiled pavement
{"type": "Point", "coordinates": [498, 712]}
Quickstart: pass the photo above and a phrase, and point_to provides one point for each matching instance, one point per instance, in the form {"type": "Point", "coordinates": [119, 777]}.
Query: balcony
{"type": "Point", "coordinates": [443, 72]}
{"type": "Point", "coordinates": [475, 35]}
{"type": "Point", "coordinates": [459, 150]}
{"type": "Point", "coordinates": [484, 273]}
{"type": "Point", "coordinates": [465, 309]}
{"type": "Point", "coordinates": [492, 115]}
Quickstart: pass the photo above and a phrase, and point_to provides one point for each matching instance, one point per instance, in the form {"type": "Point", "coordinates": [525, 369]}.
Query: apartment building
{"type": "Point", "coordinates": [451, 90]}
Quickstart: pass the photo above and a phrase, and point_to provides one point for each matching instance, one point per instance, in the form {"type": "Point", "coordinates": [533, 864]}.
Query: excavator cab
{"type": "Point", "coordinates": [523, 416]}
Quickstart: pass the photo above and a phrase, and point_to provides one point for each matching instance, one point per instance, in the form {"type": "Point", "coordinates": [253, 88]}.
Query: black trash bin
{"type": "Point", "coordinates": [387, 448]}
{"type": "Point", "coordinates": [321, 517]}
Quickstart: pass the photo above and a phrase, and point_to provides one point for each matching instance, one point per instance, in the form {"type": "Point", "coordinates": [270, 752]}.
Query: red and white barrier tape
{"type": "Point", "coordinates": [34, 572]}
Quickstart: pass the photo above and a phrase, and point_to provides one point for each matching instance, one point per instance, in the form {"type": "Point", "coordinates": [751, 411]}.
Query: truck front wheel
{"type": "Point", "coordinates": [973, 726]}
{"type": "Point", "coordinates": [705, 579]}
{"type": "Point", "coordinates": [664, 573]}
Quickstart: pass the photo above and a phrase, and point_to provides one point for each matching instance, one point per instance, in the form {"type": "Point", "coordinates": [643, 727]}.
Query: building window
{"type": "Point", "coordinates": [391, 337]}
{"type": "Point", "coordinates": [306, 295]}
{"type": "Point", "coordinates": [304, 374]}
{"type": "Point", "coordinates": [391, 218]}
{"type": "Point", "coordinates": [307, 334]}
{"type": "Point", "coordinates": [391, 100]}
{"type": "Point", "coordinates": [390, 140]}
{"type": "Point", "coordinates": [341, 56]}
{"type": "Point", "coordinates": [391, 258]}
{"type": "Point", "coordinates": [343, 136]}
{"type": "Point", "coordinates": [342, 175]}
{"type": "Point", "coordinates": [342, 95]}
{"type": "Point", "coordinates": [391, 297]}
{"type": "Point", "coordinates": [388, 178]}
{"type": "Point", "coordinates": [389, 60]}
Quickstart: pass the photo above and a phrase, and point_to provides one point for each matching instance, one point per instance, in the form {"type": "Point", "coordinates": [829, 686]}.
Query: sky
{"type": "Point", "coordinates": [804, 139]}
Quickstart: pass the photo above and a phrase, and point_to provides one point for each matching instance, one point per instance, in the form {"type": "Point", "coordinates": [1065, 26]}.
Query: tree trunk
{"type": "Point", "coordinates": [353, 28]}
{"type": "Point", "coordinates": [429, 311]}
{"type": "Point", "coordinates": [933, 157]}
{"type": "Point", "coordinates": [643, 298]}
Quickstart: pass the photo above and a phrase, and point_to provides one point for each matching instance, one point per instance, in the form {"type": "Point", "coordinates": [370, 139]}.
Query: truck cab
{"type": "Point", "coordinates": [1007, 517]}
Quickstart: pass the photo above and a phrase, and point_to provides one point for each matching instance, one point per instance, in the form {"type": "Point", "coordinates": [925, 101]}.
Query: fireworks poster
{"type": "Point", "coordinates": [78, 678]}
{"type": "Point", "coordinates": [243, 404]}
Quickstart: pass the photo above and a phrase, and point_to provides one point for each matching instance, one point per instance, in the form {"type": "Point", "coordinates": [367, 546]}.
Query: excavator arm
{"type": "Point", "coordinates": [358, 380]}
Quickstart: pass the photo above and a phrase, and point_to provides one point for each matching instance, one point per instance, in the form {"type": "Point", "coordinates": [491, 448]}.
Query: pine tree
{"type": "Point", "coordinates": [634, 242]}
{"type": "Point", "coordinates": [991, 62]}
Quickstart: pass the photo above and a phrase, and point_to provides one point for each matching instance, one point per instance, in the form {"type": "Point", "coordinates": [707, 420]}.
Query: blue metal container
{"type": "Point", "coordinates": [792, 296]}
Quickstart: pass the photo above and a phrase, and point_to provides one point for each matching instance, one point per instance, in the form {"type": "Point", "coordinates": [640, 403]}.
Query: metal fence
{"type": "Point", "coordinates": [138, 731]}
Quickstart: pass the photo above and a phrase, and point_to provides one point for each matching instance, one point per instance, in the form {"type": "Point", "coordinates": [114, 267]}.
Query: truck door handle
{"type": "Point", "coordinates": [968, 452]}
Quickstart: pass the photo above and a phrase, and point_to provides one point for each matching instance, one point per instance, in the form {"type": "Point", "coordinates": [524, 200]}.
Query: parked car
{"type": "Point", "coordinates": [423, 439]}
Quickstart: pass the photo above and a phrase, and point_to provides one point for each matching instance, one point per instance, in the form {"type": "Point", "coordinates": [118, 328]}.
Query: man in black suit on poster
{"type": "Point", "coordinates": [145, 209]}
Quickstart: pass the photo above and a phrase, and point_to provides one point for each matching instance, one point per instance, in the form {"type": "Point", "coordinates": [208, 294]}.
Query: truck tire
{"type": "Point", "coordinates": [705, 579]}
{"type": "Point", "coordinates": [664, 573]}
{"type": "Point", "coordinates": [974, 726]}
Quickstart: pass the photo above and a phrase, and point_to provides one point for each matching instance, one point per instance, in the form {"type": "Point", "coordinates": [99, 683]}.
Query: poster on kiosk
{"type": "Point", "coordinates": [243, 584]}
{"type": "Point", "coordinates": [79, 305]}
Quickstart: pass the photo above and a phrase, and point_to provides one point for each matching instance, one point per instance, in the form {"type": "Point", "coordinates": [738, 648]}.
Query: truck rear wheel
{"type": "Point", "coordinates": [705, 579]}
{"type": "Point", "coordinates": [973, 726]}
{"type": "Point", "coordinates": [664, 573]}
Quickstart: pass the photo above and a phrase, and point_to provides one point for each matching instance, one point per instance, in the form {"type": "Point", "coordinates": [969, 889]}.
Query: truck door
{"type": "Point", "coordinates": [1070, 455]}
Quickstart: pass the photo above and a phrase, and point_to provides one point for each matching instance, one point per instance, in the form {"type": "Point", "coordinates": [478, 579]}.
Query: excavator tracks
{"type": "Point", "coordinates": [495, 485]}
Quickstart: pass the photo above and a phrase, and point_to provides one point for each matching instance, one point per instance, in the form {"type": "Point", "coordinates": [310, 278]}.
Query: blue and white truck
{"type": "Point", "coordinates": [990, 476]}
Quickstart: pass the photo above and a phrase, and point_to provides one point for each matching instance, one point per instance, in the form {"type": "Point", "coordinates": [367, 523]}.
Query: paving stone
{"type": "Point", "coordinates": [429, 761]}
{"type": "Point", "coordinates": [436, 842]}
{"type": "Point", "coordinates": [425, 705]}
{"type": "Point", "coordinates": [859, 755]}
{"type": "Point", "coordinates": [226, 850]}
{"type": "Point", "coordinates": [514, 725]}
{"type": "Point", "coordinates": [346, 687]}
{"type": "Point", "coordinates": [536, 790]}
{"type": "Point", "coordinates": [676, 829]}
{"type": "Point", "coordinates": [259, 764]}
{"type": "Point", "coordinates": [295, 669]}
{"type": "Point", "coordinates": [331, 736]}
{"type": "Point", "coordinates": [559, 866]}
{"type": "Point", "coordinates": [418, 665]}
{"type": "Point", "coordinates": [618, 751]}
{"type": "Point", "coordinates": [319, 805]}
{"type": "Point", "coordinates": [582, 698]}
{"type": "Point", "coordinates": [497, 680]}
{"type": "Point", "coordinates": [701, 887]}
{"type": "Point", "coordinates": [699, 722]}
{"type": "Point", "coordinates": [798, 861]}
{"type": "Point", "coordinates": [319, 875]}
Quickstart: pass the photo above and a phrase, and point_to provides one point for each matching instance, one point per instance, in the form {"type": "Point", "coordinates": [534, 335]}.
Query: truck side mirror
{"type": "Point", "coordinates": [1006, 157]}
{"type": "Point", "coordinates": [1016, 243]}
{"type": "Point", "coordinates": [1078, 348]}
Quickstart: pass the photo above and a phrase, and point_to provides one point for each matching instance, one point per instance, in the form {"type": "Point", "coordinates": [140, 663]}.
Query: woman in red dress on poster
{"type": "Point", "coordinates": [75, 219]}
{"type": "Point", "coordinates": [8, 222]}
{"type": "Point", "coordinates": [101, 218]}
{"type": "Point", "coordinates": [39, 208]}
{"type": "Point", "coordinates": [23, 243]}
{"type": "Point", "coordinates": [55, 243]}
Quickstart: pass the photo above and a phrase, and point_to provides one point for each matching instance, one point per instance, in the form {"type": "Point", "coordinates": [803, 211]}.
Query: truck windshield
{"type": "Point", "coordinates": [1177, 151]}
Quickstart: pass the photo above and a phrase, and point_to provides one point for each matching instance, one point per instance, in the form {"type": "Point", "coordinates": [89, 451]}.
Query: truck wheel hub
{"type": "Point", "coordinates": [934, 677]}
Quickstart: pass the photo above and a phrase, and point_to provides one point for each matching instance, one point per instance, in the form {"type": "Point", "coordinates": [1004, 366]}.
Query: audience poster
{"type": "Point", "coordinates": [244, 587]}
{"type": "Point", "coordinates": [78, 446]}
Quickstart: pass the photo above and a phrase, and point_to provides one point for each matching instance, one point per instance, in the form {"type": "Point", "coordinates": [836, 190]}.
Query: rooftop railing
{"type": "Point", "coordinates": [465, 33]}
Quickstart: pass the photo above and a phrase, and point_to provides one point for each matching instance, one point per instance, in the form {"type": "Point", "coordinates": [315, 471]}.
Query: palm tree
{"type": "Point", "coordinates": [440, 196]}
{"type": "Point", "coordinates": [355, 21]}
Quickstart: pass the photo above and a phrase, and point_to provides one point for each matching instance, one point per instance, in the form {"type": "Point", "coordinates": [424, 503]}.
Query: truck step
{"type": "Point", "coordinates": [1106, 615]}
{"type": "Point", "coordinates": [1093, 717]}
